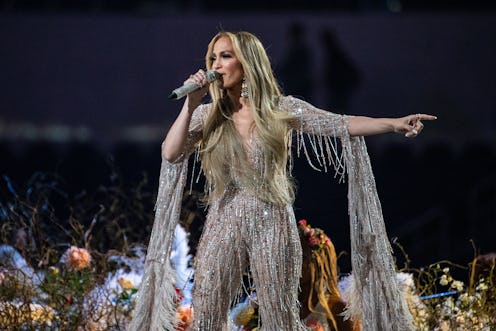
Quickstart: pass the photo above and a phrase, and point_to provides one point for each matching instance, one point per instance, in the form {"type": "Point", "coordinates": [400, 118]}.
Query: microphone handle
{"type": "Point", "coordinates": [181, 91]}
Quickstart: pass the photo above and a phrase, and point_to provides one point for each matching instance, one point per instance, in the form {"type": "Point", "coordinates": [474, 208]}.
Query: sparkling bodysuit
{"type": "Point", "coordinates": [243, 230]}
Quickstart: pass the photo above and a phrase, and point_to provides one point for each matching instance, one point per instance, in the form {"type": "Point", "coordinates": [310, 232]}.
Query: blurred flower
{"type": "Point", "coordinates": [444, 280]}
{"type": "Point", "coordinates": [316, 237]}
{"type": "Point", "coordinates": [482, 286]}
{"type": "Point", "coordinates": [464, 299]}
{"type": "Point", "coordinates": [54, 271]}
{"type": "Point", "coordinates": [313, 241]}
{"type": "Point", "coordinates": [125, 283]}
{"type": "Point", "coordinates": [93, 326]}
{"type": "Point", "coordinates": [185, 315]}
{"type": "Point", "coordinates": [458, 285]}
{"type": "Point", "coordinates": [26, 313]}
{"type": "Point", "coordinates": [443, 326]}
{"type": "Point", "coordinates": [76, 258]}
{"type": "Point", "coordinates": [314, 325]}
{"type": "Point", "coordinates": [243, 313]}
{"type": "Point", "coordinates": [41, 313]}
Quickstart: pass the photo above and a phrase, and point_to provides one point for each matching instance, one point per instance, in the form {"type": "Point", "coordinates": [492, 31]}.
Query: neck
{"type": "Point", "coordinates": [234, 94]}
{"type": "Point", "coordinates": [238, 101]}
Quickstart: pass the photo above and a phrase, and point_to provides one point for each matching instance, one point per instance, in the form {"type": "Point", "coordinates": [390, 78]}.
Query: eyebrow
{"type": "Point", "coordinates": [224, 51]}
{"type": "Point", "coordinates": [230, 52]}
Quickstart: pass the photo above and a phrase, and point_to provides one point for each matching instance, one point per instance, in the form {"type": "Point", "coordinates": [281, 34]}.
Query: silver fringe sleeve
{"type": "Point", "coordinates": [155, 305]}
{"type": "Point", "coordinates": [156, 299]}
{"type": "Point", "coordinates": [377, 301]}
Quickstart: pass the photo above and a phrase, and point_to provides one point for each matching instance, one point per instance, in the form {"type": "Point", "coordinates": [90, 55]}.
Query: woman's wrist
{"type": "Point", "coordinates": [391, 124]}
{"type": "Point", "coordinates": [190, 105]}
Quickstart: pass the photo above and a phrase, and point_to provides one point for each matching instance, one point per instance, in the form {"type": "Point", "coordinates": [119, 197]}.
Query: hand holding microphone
{"type": "Point", "coordinates": [195, 82]}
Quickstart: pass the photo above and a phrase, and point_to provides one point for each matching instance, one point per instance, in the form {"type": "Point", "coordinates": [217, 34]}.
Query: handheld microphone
{"type": "Point", "coordinates": [180, 92]}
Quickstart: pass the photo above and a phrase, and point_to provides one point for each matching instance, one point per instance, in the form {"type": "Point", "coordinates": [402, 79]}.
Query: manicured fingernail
{"type": "Point", "coordinates": [415, 131]}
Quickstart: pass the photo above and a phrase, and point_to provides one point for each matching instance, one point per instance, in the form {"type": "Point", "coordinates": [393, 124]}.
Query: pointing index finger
{"type": "Point", "coordinates": [426, 117]}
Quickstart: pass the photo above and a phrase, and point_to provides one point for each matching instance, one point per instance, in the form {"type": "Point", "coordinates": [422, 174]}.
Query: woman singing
{"type": "Point", "coordinates": [243, 139]}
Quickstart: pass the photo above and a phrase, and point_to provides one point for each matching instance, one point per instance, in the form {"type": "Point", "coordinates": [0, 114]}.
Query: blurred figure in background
{"type": "Point", "coordinates": [340, 73]}
{"type": "Point", "coordinates": [321, 303]}
{"type": "Point", "coordinates": [296, 69]}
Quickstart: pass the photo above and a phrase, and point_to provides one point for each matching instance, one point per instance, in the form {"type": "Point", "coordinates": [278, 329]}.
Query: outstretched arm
{"type": "Point", "coordinates": [410, 125]}
{"type": "Point", "coordinates": [312, 120]}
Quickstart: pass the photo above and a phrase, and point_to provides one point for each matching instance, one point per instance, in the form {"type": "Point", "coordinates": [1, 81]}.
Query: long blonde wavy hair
{"type": "Point", "coordinates": [222, 150]}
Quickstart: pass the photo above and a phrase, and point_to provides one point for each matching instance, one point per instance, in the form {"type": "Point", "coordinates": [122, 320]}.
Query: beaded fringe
{"type": "Point", "coordinates": [375, 300]}
{"type": "Point", "coordinates": [155, 307]}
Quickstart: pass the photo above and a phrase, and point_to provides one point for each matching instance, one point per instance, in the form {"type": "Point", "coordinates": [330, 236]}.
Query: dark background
{"type": "Point", "coordinates": [84, 86]}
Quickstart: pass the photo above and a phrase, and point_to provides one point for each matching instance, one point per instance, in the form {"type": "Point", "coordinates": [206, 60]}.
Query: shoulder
{"type": "Point", "coordinates": [204, 107]}
{"type": "Point", "coordinates": [286, 102]}
{"type": "Point", "coordinates": [201, 112]}
{"type": "Point", "coordinates": [292, 104]}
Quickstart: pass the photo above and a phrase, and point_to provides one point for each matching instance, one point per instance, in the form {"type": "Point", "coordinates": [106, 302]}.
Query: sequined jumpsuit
{"type": "Point", "coordinates": [241, 230]}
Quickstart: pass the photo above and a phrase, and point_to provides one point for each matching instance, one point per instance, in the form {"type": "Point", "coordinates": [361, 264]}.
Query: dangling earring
{"type": "Point", "coordinates": [244, 88]}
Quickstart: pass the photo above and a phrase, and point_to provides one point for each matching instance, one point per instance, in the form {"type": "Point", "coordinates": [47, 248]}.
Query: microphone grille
{"type": "Point", "coordinates": [212, 75]}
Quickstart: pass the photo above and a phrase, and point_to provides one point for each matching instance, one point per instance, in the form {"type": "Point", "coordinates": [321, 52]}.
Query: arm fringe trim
{"type": "Point", "coordinates": [156, 299]}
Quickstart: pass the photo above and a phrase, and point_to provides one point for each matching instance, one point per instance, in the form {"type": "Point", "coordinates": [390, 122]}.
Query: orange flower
{"type": "Point", "coordinates": [126, 284]}
{"type": "Point", "coordinates": [76, 258]}
{"type": "Point", "coordinates": [314, 325]}
{"type": "Point", "coordinates": [185, 315]}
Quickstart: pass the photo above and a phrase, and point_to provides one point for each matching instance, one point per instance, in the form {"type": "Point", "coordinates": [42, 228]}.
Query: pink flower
{"type": "Point", "coordinates": [303, 222]}
{"type": "Point", "coordinates": [179, 296]}
{"type": "Point", "coordinates": [76, 258]}
{"type": "Point", "coordinates": [313, 241]}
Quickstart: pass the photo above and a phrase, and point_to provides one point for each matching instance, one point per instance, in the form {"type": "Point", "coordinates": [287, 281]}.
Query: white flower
{"type": "Point", "coordinates": [448, 304]}
{"type": "Point", "coordinates": [465, 298]}
{"type": "Point", "coordinates": [482, 286]}
{"type": "Point", "coordinates": [446, 270]}
{"type": "Point", "coordinates": [458, 285]}
{"type": "Point", "coordinates": [444, 280]}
